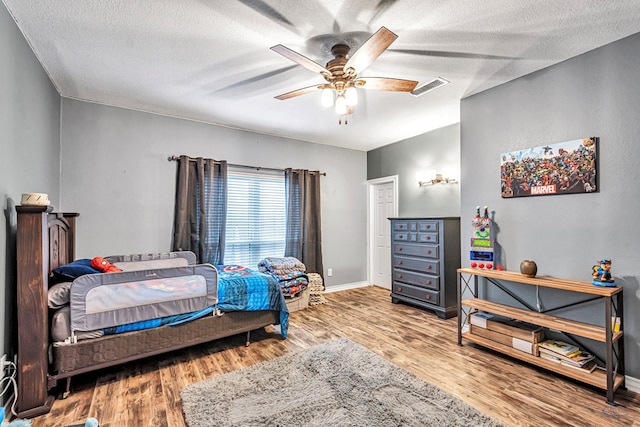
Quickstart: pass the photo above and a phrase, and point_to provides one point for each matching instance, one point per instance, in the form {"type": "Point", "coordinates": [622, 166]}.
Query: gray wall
{"type": "Point", "coordinates": [595, 94]}
{"type": "Point", "coordinates": [29, 152]}
{"type": "Point", "coordinates": [413, 159]}
{"type": "Point", "coordinates": [115, 173]}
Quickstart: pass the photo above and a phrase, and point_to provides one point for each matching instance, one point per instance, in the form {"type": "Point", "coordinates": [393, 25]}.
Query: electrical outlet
{"type": "Point", "coordinates": [3, 361]}
{"type": "Point", "coordinates": [329, 272]}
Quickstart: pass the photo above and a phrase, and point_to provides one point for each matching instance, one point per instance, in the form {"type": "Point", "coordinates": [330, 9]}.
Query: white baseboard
{"type": "Point", "coordinates": [346, 286]}
{"type": "Point", "coordinates": [633, 384]}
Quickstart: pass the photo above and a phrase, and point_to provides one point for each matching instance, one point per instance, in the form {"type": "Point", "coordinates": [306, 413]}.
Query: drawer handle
{"type": "Point", "coordinates": [399, 276]}
{"type": "Point", "coordinates": [401, 226]}
{"type": "Point", "coordinates": [427, 297]}
{"type": "Point", "coordinates": [428, 226]}
{"type": "Point", "coordinates": [399, 288]}
{"type": "Point", "coordinates": [399, 262]}
{"type": "Point", "coordinates": [428, 251]}
{"type": "Point", "coordinates": [399, 248]}
{"type": "Point", "coordinates": [427, 238]}
{"type": "Point", "coordinates": [400, 236]}
{"type": "Point", "coordinates": [428, 267]}
{"type": "Point", "coordinates": [428, 282]}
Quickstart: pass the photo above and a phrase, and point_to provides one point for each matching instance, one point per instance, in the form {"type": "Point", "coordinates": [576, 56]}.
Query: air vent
{"type": "Point", "coordinates": [430, 86]}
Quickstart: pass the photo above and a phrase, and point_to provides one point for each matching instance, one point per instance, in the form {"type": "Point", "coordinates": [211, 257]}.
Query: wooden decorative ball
{"type": "Point", "coordinates": [528, 268]}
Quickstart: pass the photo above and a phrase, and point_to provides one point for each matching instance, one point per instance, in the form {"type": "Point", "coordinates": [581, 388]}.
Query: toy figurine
{"type": "Point", "coordinates": [602, 274]}
{"type": "Point", "coordinates": [481, 255]}
{"type": "Point", "coordinates": [103, 265]}
{"type": "Point", "coordinates": [482, 224]}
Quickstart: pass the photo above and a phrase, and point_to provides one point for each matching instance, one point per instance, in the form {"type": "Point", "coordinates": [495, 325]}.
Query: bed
{"type": "Point", "coordinates": [107, 322]}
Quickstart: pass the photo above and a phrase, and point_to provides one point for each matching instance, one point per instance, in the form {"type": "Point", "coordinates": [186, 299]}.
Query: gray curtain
{"type": "Point", "coordinates": [303, 239]}
{"type": "Point", "coordinates": [201, 208]}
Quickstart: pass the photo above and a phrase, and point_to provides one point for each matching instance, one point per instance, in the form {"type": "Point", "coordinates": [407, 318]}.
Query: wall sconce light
{"type": "Point", "coordinates": [437, 179]}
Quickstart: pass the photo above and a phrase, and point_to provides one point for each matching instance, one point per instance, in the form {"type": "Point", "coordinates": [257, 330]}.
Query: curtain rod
{"type": "Point", "coordinates": [176, 158]}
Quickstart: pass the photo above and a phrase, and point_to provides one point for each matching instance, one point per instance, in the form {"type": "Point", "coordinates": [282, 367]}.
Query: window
{"type": "Point", "coordinates": [256, 217]}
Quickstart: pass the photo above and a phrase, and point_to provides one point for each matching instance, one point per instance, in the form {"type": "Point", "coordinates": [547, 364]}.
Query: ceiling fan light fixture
{"type": "Point", "coordinates": [341, 105]}
{"type": "Point", "coordinates": [351, 96]}
{"type": "Point", "coordinates": [326, 99]}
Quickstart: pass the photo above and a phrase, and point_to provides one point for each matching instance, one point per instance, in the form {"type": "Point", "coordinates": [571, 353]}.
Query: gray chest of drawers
{"type": "Point", "coordinates": [425, 256]}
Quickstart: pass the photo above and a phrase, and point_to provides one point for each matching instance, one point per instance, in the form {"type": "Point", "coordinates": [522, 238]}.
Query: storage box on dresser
{"type": "Point", "coordinates": [425, 254]}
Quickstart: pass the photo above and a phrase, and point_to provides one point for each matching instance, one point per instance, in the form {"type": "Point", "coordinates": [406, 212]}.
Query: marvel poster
{"type": "Point", "coordinates": [564, 168]}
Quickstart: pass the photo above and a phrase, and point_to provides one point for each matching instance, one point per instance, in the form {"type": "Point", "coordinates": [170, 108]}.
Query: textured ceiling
{"type": "Point", "coordinates": [209, 60]}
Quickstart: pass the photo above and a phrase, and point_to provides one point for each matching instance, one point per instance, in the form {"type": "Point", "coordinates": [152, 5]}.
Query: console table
{"type": "Point", "coordinates": [610, 378]}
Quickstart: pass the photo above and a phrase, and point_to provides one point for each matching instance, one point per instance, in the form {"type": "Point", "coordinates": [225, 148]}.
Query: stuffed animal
{"type": "Point", "coordinates": [103, 265]}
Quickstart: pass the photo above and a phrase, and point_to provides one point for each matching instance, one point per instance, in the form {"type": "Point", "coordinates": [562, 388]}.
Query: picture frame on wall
{"type": "Point", "coordinates": [568, 167]}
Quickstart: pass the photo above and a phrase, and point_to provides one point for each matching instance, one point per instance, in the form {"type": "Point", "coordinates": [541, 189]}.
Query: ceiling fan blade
{"type": "Point", "coordinates": [298, 92]}
{"type": "Point", "coordinates": [370, 50]}
{"type": "Point", "coordinates": [300, 59]}
{"type": "Point", "coordinates": [388, 84]}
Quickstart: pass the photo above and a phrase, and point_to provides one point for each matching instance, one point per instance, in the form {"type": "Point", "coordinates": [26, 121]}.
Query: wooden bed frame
{"type": "Point", "coordinates": [46, 240]}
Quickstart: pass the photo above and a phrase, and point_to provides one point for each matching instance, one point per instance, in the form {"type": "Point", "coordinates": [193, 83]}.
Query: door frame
{"type": "Point", "coordinates": [371, 185]}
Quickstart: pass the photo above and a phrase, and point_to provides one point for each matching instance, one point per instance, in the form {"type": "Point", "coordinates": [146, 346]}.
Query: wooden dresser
{"type": "Point", "coordinates": [425, 256]}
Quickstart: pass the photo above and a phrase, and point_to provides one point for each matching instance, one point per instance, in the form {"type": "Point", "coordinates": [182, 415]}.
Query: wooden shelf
{"type": "Point", "coordinates": [586, 330]}
{"type": "Point", "coordinates": [597, 378]}
{"type": "Point", "coordinates": [610, 378]}
{"type": "Point", "coordinates": [546, 281]}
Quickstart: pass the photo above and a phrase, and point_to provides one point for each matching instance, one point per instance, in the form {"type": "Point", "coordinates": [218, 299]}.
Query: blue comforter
{"type": "Point", "coordinates": [239, 289]}
{"type": "Point", "coordinates": [243, 289]}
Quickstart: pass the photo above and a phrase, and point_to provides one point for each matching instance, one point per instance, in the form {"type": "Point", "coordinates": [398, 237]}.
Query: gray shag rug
{"type": "Point", "coordinates": [338, 383]}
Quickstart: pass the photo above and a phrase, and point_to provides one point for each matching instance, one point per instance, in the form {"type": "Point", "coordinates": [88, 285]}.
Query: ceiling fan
{"type": "Point", "coordinates": [341, 73]}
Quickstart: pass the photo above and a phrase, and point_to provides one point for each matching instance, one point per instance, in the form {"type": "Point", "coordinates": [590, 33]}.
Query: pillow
{"type": "Point", "coordinates": [60, 324]}
{"type": "Point", "coordinates": [75, 269]}
{"type": "Point", "coordinates": [58, 295]}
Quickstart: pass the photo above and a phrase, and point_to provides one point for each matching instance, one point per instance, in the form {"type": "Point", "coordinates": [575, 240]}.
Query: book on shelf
{"type": "Point", "coordinates": [560, 347]}
{"type": "Point", "coordinates": [505, 325]}
{"type": "Point", "coordinates": [589, 366]}
{"type": "Point", "coordinates": [579, 359]}
{"type": "Point", "coordinates": [615, 324]}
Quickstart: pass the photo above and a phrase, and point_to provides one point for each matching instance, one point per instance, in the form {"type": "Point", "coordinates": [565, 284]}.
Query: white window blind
{"type": "Point", "coordinates": [256, 217]}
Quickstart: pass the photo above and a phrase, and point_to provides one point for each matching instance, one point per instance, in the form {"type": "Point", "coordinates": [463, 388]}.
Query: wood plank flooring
{"type": "Point", "coordinates": [147, 393]}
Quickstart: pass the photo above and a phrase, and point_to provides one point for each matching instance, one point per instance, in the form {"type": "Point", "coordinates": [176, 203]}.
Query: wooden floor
{"type": "Point", "coordinates": [148, 393]}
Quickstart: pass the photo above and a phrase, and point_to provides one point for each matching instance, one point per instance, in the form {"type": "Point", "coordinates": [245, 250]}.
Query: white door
{"type": "Point", "coordinates": [383, 206]}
